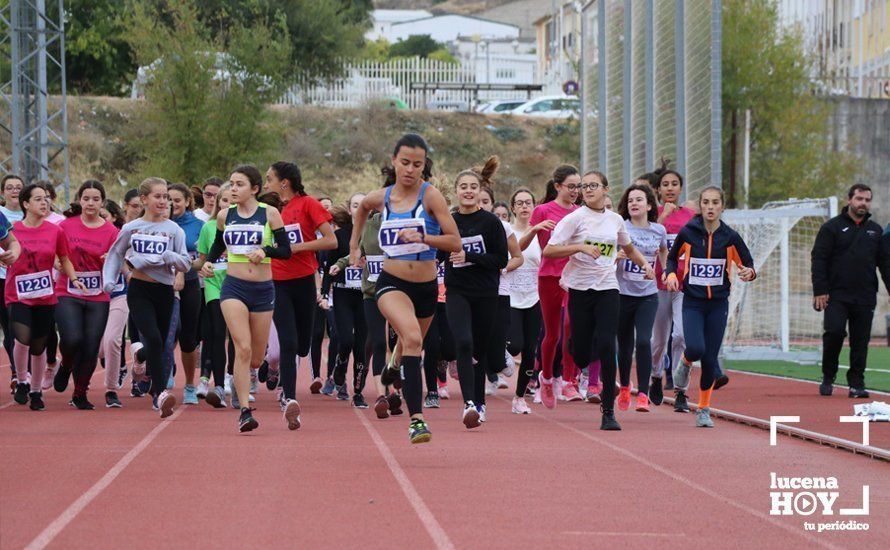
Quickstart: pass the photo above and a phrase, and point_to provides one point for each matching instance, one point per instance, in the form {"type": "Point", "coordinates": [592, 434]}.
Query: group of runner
{"type": "Point", "coordinates": [400, 280]}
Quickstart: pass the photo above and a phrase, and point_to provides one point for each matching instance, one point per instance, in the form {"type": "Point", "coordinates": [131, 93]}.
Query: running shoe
{"type": "Point", "coordinates": [431, 401]}
{"type": "Point", "coordinates": [291, 414]}
{"type": "Point", "coordinates": [135, 391]}
{"type": "Point", "coordinates": [122, 376]}
{"type": "Point", "coordinates": [228, 383]}
{"type": "Point", "coordinates": [703, 418]}
{"type": "Point", "coordinates": [609, 423]}
{"type": "Point", "coordinates": [342, 393]}
{"type": "Point", "coordinates": [536, 396]}
{"type": "Point", "coordinates": [189, 395]}
{"type": "Point", "coordinates": [391, 376]}
{"type": "Point", "coordinates": [329, 387]}
{"type": "Point", "coordinates": [419, 431]}
{"type": "Point", "coordinates": [583, 384]}
{"type": "Point", "coordinates": [263, 372]}
{"type": "Point", "coordinates": [395, 404]}
{"type": "Point", "coordinates": [548, 395]}
{"type": "Point", "coordinates": [166, 402]}
{"type": "Point", "coordinates": [481, 410]}
{"type": "Point", "coordinates": [681, 374]}
{"type": "Point", "coordinates": [154, 402]}
{"type": "Point", "coordinates": [111, 400]}
{"type": "Point", "coordinates": [203, 388]}
{"type": "Point", "coordinates": [22, 389]}
{"type": "Point", "coordinates": [12, 384]}
{"type": "Point", "coordinates": [80, 402]}
{"type": "Point", "coordinates": [144, 384]}
{"type": "Point", "coordinates": [49, 377]}
{"type": "Point", "coordinates": [502, 382]}
{"type": "Point", "coordinates": [491, 388]}
{"type": "Point", "coordinates": [36, 401]}
{"type": "Point", "coordinates": [510, 367]}
{"type": "Point", "coordinates": [857, 393]}
{"type": "Point", "coordinates": [721, 381]}
{"type": "Point", "coordinates": [642, 403]}
{"type": "Point", "coordinates": [60, 380]}
{"type": "Point", "coordinates": [247, 422]}
{"type": "Point", "coordinates": [216, 398]}
{"type": "Point", "coordinates": [381, 407]}
{"type": "Point", "coordinates": [236, 403]}
{"type": "Point", "coordinates": [656, 394]}
{"type": "Point", "coordinates": [681, 405]}
{"type": "Point", "coordinates": [254, 383]}
{"type": "Point", "coordinates": [594, 393]}
{"type": "Point", "coordinates": [520, 406]}
{"type": "Point", "coordinates": [138, 366]}
{"type": "Point", "coordinates": [624, 398]}
{"type": "Point", "coordinates": [470, 416]}
{"type": "Point", "coordinates": [358, 401]}
{"type": "Point", "coordinates": [826, 387]}
{"type": "Point", "coordinates": [452, 370]}
{"type": "Point", "coordinates": [570, 392]}
{"type": "Point", "coordinates": [315, 386]}
{"type": "Point", "coordinates": [443, 391]}
{"type": "Point", "coordinates": [272, 381]}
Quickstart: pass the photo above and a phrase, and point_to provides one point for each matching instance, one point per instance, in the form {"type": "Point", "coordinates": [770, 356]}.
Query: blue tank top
{"type": "Point", "coordinates": [416, 218]}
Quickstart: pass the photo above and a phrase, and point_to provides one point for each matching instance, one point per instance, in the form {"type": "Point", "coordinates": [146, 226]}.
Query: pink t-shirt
{"type": "Point", "coordinates": [551, 267]}
{"type": "Point", "coordinates": [86, 246]}
{"type": "Point", "coordinates": [29, 280]}
{"type": "Point", "coordinates": [672, 224]}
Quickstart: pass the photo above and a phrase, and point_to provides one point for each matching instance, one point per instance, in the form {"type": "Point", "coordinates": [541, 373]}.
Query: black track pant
{"type": "Point", "coordinates": [837, 316]}
{"type": "Point", "coordinates": [525, 327]}
{"type": "Point", "coordinates": [376, 324]}
{"type": "Point", "coordinates": [294, 312]}
{"type": "Point", "coordinates": [438, 346]}
{"type": "Point", "coordinates": [471, 321]}
{"type": "Point", "coordinates": [635, 321]}
{"type": "Point", "coordinates": [497, 342]}
{"type": "Point", "coordinates": [594, 318]}
{"type": "Point", "coordinates": [352, 331]}
{"type": "Point", "coordinates": [151, 307]}
{"type": "Point", "coordinates": [81, 326]}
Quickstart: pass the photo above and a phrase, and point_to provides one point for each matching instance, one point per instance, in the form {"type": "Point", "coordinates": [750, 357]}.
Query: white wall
{"type": "Point", "coordinates": [446, 28]}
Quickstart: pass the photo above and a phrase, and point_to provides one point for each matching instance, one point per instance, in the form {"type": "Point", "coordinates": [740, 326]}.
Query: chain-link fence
{"type": "Point", "coordinates": [651, 88]}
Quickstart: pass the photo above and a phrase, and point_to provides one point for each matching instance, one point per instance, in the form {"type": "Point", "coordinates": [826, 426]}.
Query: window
{"type": "Point", "coordinates": [505, 73]}
{"type": "Point", "coordinates": [541, 107]}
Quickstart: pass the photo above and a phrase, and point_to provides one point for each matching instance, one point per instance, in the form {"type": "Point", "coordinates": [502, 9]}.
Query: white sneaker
{"type": "Point", "coordinates": [138, 367]}
{"type": "Point", "coordinates": [470, 416]}
{"type": "Point", "coordinates": [292, 414]}
{"type": "Point", "coordinates": [443, 392]}
{"type": "Point", "coordinates": [491, 388]}
{"type": "Point", "coordinates": [511, 364]}
{"type": "Point", "coordinates": [48, 376]}
{"type": "Point", "coordinates": [481, 410]}
{"type": "Point", "coordinates": [203, 388]}
{"type": "Point", "coordinates": [166, 402]}
{"type": "Point", "coordinates": [502, 382]}
{"type": "Point", "coordinates": [520, 406]}
{"type": "Point", "coordinates": [537, 399]}
{"type": "Point", "coordinates": [228, 384]}
{"type": "Point", "coordinates": [557, 389]}
{"type": "Point", "coordinates": [583, 384]}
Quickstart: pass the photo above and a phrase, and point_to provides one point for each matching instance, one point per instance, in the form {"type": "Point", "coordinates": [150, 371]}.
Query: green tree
{"type": "Point", "coordinates": [420, 45]}
{"type": "Point", "coordinates": [98, 59]}
{"type": "Point", "coordinates": [206, 97]}
{"type": "Point", "coordinates": [767, 71]}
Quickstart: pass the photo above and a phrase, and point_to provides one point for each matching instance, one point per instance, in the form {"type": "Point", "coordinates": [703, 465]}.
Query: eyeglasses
{"type": "Point", "coordinates": [14, 188]}
{"type": "Point", "coordinates": [523, 203]}
{"type": "Point", "coordinates": [591, 186]}
{"type": "Point", "coordinates": [209, 195]}
{"type": "Point", "coordinates": [571, 187]}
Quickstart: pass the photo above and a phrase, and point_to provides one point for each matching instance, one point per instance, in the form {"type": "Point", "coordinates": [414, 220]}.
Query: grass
{"type": "Point", "coordinates": [878, 359]}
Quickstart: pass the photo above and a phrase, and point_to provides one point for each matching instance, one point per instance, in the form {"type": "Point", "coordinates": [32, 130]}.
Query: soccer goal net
{"type": "Point", "coordinates": [772, 318]}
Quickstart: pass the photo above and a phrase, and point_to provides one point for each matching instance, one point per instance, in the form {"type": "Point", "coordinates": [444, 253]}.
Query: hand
{"type": "Point", "coordinates": [591, 250]}
{"type": "Point", "coordinates": [206, 270]}
{"type": "Point", "coordinates": [650, 273]}
{"type": "Point", "coordinates": [355, 256]}
{"type": "Point", "coordinates": [334, 271]}
{"type": "Point", "coordinates": [324, 304]}
{"type": "Point", "coordinates": [621, 254]}
{"type": "Point", "coordinates": [669, 208]}
{"type": "Point", "coordinates": [458, 257]}
{"type": "Point", "coordinates": [746, 274]}
{"type": "Point", "coordinates": [79, 285]}
{"type": "Point", "coordinates": [257, 256]}
{"type": "Point", "coordinates": [179, 282]}
{"type": "Point", "coordinates": [820, 302]}
{"type": "Point", "coordinates": [672, 284]}
{"type": "Point", "coordinates": [410, 235]}
{"type": "Point", "coordinates": [546, 225]}
{"type": "Point", "coordinates": [7, 257]}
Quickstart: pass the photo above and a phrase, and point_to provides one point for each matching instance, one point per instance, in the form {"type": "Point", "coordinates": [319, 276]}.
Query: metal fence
{"type": "Point", "coordinates": [651, 88]}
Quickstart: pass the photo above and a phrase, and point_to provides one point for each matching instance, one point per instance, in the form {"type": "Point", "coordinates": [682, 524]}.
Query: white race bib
{"type": "Point", "coordinates": [149, 246]}
{"type": "Point", "coordinates": [389, 239]}
{"type": "Point", "coordinates": [294, 234]}
{"type": "Point", "coordinates": [242, 238]}
{"type": "Point", "coordinates": [221, 264]}
{"type": "Point", "coordinates": [671, 237]}
{"type": "Point", "coordinates": [353, 277]}
{"type": "Point", "coordinates": [121, 284]}
{"type": "Point", "coordinates": [633, 272]}
{"type": "Point", "coordinates": [375, 266]}
{"type": "Point", "coordinates": [524, 280]}
{"type": "Point", "coordinates": [92, 280]}
{"type": "Point", "coordinates": [704, 272]}
{"type": "Point", "coordinates": [474, 244]}
{"type": "Point", "coordinates": [34, 285]}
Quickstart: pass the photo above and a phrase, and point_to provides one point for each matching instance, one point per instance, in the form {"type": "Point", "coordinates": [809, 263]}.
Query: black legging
{"type": "Point", "coordinates": [31, 326]}
{"type": "Point", "coordinates": [294, 312]}
{"type": "Point", "coordinates": [351, 333]}
{"type": "Point", "coordinates": [8, 338]}
{"type": "Point", "coordinates": [595, 312]}
{"type": "Point", "coordinates": [81, 326]}
{"type": "Point", "coordinates": [152, 307]}
{"type": "Point", "coordinates": [215, 347]}
{"type": "Point", "coordinates": [637, 315]}
{"type": "Point", "coordinates": [376, 325]}
{"type": "Point", "coordinates": [497, 342]}
{"type": "Point", "coordinates": [471, 320]}
{"type": "Point", "coordinates": [52, 345]}
{"type": "Point", "coordinates": [525, 327]}
{"type": "Point", "coordinates": [190, 298]}
{"type": "Point", "coordinates": [437, 346]}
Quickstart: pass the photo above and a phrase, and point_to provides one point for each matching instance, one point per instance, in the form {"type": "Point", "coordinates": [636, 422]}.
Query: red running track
{"type": "Point", "coordinates": [115, 478]}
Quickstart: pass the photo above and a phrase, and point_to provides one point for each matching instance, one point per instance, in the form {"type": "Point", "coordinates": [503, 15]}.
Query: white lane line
{"type": "Point", "coordinates": [69, 514]}
{"type": "Point", "coordinates": [439, 536]}
{"type": "Point", "coordinates": [621, 534]}
{"type": "Point", "coordinates": [691, 484]}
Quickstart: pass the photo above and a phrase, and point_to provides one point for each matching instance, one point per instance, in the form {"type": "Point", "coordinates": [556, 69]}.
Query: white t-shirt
{"type": "Point", "coordinates": [603, 229]}
{"type": "Point", "coordinates": [524, 281]}
{"type": "Point", "coordinates": [201, 215]}
{"type": "Point", "coordinates": [504, 286]}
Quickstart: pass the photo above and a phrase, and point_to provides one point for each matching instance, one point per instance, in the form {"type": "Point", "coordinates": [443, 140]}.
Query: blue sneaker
{"type": "Point", "coordinates": [190, 395]}
{"type": "Point", "coordinates": [144, 385]}
{"type": "Point", "coordinates": [329, 387]}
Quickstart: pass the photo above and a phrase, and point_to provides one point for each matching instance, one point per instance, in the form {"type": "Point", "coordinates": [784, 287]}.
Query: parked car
{"type": "Point", "coordinates": [500, 106]}
{"type": "Point", "coordinates": [550, 107]}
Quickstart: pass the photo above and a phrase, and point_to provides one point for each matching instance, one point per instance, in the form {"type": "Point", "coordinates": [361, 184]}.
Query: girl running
{"type": "Point", "coordinates": [30, 295]}
{"type": "Point", "coordinates": [708, 248]}
{"type": "Point", "coordinates": [525, 307]}
{"type": "Point", "coordinates": [113, 346]}
{"type": "Point", "coordinates": [562, 193]}
{"type": "Point", "coordinates": [10, 188]}
{"type": "Point", "coordinates": [415, 224]}
{"type": "Point", "coordinates": [307, 226]}
{"type": "Point", "coordinates": [591, 237]}
{"type": "Point", "coordinates": [153, 247]}
{"type": "Point", "coordinates": [251, 234]}
{"type": "Point", "coordinates": [472, 277]}
{"type": "Point", "coordinates": [82, 315]}
{"type": "Point", "coordinates": [639, 296]}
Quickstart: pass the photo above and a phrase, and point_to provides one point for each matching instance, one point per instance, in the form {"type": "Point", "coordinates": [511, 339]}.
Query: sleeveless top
{"type": "Point", "coordinates": [416, 218]}
{"type": "Point", "coordinates": [245, 235]}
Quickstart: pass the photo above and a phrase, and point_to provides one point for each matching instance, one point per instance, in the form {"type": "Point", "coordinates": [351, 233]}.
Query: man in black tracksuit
{"type": "Point", "coordinates": [847, 250]}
